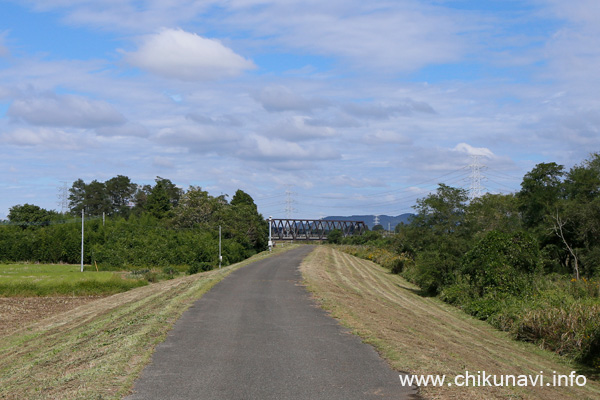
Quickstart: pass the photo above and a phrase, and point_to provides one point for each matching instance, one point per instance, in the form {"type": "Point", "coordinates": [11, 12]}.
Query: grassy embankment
{"type": "Point", "coordinates": [423, 335]}
{"type": "Point", "coordinates": [97, 350]}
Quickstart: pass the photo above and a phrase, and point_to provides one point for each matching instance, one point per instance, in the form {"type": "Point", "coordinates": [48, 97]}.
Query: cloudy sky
{"type": "Point", "coordinates": [348, 106]}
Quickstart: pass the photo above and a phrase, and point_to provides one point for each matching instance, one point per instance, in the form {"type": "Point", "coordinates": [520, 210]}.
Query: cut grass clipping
{"type": "Point", "coordinates": [424, 336]}
{"type": "Point", "coordinates": [97, 350]}
{"type": "Point", "coordinates": [30, 280]}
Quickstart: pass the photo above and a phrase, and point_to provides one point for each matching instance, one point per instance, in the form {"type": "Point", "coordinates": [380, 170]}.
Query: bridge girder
{"type": "Point", "coordinates": [313, 229]}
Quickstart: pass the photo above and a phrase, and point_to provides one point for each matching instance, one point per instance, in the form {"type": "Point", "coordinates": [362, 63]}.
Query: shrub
{"type": "Point", "coordinates": [199, 267]}
{"type": "Point", "coordinates": [502, 262]}
{"type": "Point", "coordinates": [571, 329]}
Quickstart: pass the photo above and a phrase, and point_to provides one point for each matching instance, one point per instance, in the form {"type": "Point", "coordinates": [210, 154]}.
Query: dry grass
{"type": "Point", "coordinates": [422, 335]}
{"type": "Point", "coordinates": [97, 350]}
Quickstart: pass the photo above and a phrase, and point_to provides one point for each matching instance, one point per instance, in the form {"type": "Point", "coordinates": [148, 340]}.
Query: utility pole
{"type": "Point", "coordinates": [220, 256]}
{"type": "Point", "coordinates": [82, 226]}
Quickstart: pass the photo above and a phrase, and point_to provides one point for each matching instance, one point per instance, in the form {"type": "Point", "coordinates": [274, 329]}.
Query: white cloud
{"type": "Point", "coordinates": [176, 54]}
{"type": "Point", "coordinates": [259, 147]}
{"type": "Point", "coordinates": [387, 136]}
{"type": "Point", "coordinates": [163, 162]}
{"type": "Point", "coordinates": [46, 138]}
{"type": "Point", "coordinates": [473, 151]}
{"type": "Point", "coordinates": [128, 129]}
{"type": "Point", "coordinates": [389, 36]}
{"type": "Point", "coordinates": [383, 111]}
{"type": "Point", "coordinates": [280, 98]}
{"type": "Point", "coordinates": [296, 129]}
{"type": "Point", "coordinates": [350, 181]}
{"type": "Point", "coordinates": [199, 139]}
{"type": "Point", "coordinates": [65, 110]}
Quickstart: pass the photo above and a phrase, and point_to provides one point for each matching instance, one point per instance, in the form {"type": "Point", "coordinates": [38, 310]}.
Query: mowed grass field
{"type": "Point", "coordinates": [424, 336]}
{"type": "Point", "coordinates": [98, 349]}
{"type": "Point", "coordinates": [29, 280]}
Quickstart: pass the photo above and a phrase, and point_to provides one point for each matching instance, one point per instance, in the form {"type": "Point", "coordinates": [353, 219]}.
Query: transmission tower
{"type": "Point", "coordinates": [63, 197]}
{"type": "Point", "coordinates": [476, 189]}
{"type": "Point", "coordinates": [375, 220]}
{"type": "Point", "coordinates": [289, 203]}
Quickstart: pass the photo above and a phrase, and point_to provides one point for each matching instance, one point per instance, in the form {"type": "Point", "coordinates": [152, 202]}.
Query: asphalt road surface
{"type": "Point", "coordinates": [258, 335]}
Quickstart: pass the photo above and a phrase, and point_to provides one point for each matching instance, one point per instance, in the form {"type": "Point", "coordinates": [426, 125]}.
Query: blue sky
{"type": "Point", "coordinates": [350, 107]}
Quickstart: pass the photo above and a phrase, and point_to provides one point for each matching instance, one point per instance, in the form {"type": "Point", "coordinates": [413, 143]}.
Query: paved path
{"type": "Point", "coordinates": [258, 335]}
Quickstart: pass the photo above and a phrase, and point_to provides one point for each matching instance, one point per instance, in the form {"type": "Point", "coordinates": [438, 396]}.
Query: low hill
{"type": "Point", "coordinates": [387, 221]}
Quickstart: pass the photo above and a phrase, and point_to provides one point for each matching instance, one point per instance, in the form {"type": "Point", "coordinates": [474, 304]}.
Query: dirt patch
{"type": "Point", "coordinates": [17, 312]}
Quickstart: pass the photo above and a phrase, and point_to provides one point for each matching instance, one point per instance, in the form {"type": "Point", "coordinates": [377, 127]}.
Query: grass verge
{"type": "Point", "coordinates": [424, 336]}
{"type": "Point", "coordinates": [30, 280]}
{"type": "Point", "coordinates": [97, 350]}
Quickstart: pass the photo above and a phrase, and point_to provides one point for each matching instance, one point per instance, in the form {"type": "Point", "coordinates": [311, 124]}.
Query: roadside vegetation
{"type": "Point", "coordinates": [423, 335]}
{"type": "Point", "coordinates": [528, 263]}
{"type": "Point", "coordinates": [30, 280]}
{"type": "Point", "coordinates": [133, 227]}
{"type": "Point", "coordinates": [97, 350]}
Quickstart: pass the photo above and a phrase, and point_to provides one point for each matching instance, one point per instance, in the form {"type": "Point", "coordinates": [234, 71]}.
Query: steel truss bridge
{"type": "Point", "coordinates": [312, 229]}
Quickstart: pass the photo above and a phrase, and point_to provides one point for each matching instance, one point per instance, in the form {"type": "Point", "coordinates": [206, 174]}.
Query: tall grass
{"type": "Point", "coordinates": [387, 259]}
{"type": "Point", "coordinates": [28, 280]}
{"type": "Point", "coordinates": [86, 287]}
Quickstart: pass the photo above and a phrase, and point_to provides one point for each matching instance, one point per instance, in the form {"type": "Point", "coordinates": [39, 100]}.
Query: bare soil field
{"type": "Point", "coordinates": [17, 312]}
{"type": "Point", "coordinates": [424, 336]}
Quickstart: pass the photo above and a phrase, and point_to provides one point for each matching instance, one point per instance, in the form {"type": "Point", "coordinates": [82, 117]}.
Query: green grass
{"type": "Point", "coordinates": [98, 350]}
{"type": "Point", "coordinates": [55, 280]}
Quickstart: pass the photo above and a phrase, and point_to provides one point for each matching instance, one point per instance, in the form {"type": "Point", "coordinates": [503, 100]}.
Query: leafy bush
{"type": "Point", "coordinates": [199, 267]}
{"type": "Point", "coordinates": [502, 262]}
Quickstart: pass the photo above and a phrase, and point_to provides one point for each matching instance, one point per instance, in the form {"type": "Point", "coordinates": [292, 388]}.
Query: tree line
{"type": "Point", "coordinates": [527, 262]}
{"type": "Point", "coordinates": [130, 225]}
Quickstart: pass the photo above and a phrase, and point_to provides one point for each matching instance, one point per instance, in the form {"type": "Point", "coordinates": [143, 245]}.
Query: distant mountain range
{"type": "Point", "coordinates": [387, 221]}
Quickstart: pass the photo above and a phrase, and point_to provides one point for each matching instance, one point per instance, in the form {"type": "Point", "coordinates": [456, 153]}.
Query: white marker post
{"type": "Point", "coordinates": [220, 256]}
{"type": "Point", "coordinates": [270, 239]}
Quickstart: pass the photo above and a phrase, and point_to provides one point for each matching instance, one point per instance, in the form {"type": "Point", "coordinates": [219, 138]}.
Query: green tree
{"type": "Point", "coordinates": [439, 215]}
{"type": "Point", "coordinates": [120, 191]}
{"type": "Point", "coordinates": [335, 236]}
{"type": "Point", "coordinates": [30, 215]}
{"type": "Point", "coordinates": [576, 219]}
{"type": "Point", "coordinates": [242, 221]}
{"type": "Point", "coordinates": [502, 262]}
{"type": "Point", "coordinates": [96, 201]}
{"type": "Point", "coordinates": [77, 194]}
{"type": "Point", "coordinates": [91, 197]}
{"type": "Point", "coordinates": [197, 208]}
{"type": "Point", "coordinates": [242, 198]}
{"type": "Point", "coordinates": [494, 212]}
{"type": "Point", "coordinates": [173, 192]}
{"type": "Point", "coordinates": [159, 202]}
{"type": "Point", "coordinates": [541, 190]}
{"type": "Point", "coordinates": [438, 235]}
